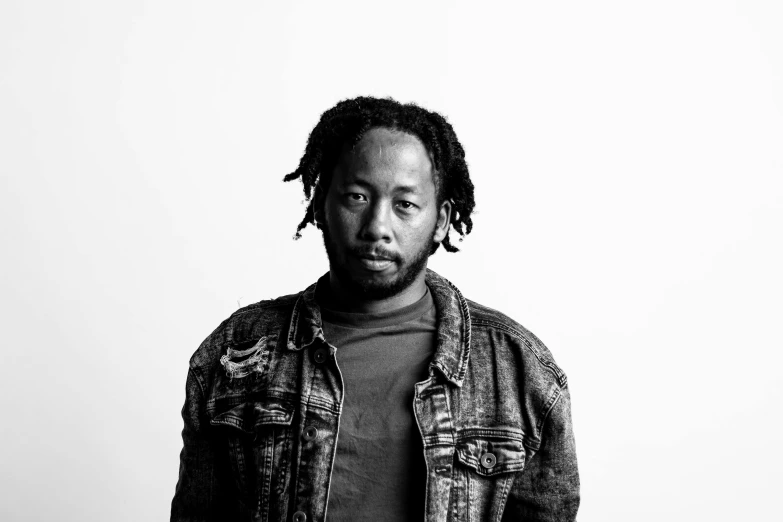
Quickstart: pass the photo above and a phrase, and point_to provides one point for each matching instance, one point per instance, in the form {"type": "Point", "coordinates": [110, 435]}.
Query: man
{"type": "Point", "coordinates": [380, 392]}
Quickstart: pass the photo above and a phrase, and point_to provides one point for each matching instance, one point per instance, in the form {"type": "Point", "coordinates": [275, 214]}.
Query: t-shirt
{"type": "Point", "coordinates": [379, 471]}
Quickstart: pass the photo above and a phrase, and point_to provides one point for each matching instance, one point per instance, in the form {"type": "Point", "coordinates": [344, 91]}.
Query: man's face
{"type": "Point", "coordinates": [380, 215]}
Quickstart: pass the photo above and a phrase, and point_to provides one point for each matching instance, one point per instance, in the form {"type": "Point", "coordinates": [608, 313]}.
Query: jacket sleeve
{"type": "Point", "coordinates": [547, 490]}
{"type": "Point", "coordinates": [195, 497]}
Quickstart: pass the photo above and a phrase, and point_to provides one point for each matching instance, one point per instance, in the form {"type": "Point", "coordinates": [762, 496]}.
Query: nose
{"type": "Point", "coordinates": [376, 226]}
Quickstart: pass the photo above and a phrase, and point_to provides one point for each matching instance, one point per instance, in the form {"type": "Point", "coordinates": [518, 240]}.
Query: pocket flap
{"type": "Point", "coordinates": [490, 455]}
{"type": "Point", "coordinates": [249, 416]}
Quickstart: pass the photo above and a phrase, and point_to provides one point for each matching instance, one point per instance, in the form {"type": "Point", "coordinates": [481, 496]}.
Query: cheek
{"type": "Point", "coordinates": [426, 228]}
{"type": "Point", "coordinates": [417, 236]}
{"type": "Point", "coordinates": [342, 223]}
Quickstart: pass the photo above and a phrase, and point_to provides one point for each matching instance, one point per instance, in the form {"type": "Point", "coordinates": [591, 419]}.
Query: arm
{"type": "Point", "coordinates": [197, 486]}
{"type": "Point", "coordinates": [547, 490]}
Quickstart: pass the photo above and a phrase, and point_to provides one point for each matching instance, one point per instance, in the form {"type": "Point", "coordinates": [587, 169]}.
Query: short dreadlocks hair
{"type": "Point", "coordinates": [345, 124]}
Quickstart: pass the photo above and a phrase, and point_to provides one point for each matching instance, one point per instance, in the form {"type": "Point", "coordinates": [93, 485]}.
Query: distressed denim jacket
{"type": "Point", "coordinates": [263, 401]}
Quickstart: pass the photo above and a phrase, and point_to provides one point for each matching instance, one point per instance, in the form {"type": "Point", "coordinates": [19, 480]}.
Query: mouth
{"type": "Point", "coordinates": [375, 263]}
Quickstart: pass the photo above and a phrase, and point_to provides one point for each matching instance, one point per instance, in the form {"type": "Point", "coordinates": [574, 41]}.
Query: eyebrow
{"type": "Point", "coordinates": [405, 189]}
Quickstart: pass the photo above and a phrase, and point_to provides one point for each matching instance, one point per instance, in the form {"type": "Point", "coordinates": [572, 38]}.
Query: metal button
{"type": "Point", "coordinates": [320, 355]}
{"type": "Point", "coordinates": [310, 433]}
{"type": "Point", "coordinates": [488, 460]}
{"type": "Point", "coordinates": [299, 516]}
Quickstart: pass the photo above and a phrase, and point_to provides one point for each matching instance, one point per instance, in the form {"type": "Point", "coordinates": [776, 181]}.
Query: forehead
{"type": "Point", "coordinates": [387, 158]}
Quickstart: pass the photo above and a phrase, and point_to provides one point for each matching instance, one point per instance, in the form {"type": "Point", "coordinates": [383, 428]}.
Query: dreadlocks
{"type": "Point", "coordinates": [345, 124]}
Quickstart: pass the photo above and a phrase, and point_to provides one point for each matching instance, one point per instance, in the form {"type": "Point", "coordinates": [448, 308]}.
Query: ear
{"type": "Point", "coordinates": [319, 199]}
{"type": "Point", "coordinates": [444, 221]}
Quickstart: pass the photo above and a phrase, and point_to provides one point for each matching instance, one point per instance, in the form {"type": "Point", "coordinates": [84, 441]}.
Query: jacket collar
{"type": "Point", "coordinates": [453, 330]}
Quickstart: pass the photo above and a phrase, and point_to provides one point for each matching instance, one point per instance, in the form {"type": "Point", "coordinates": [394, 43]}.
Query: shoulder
{"type": "Point", "coordinates": [262, 319]}
{"type": "Point", "coordinates": [494, 330]}
{"type": "Point", "coordinates": [511, 364]}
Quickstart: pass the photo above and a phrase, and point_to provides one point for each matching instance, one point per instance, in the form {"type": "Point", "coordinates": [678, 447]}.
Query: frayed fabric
{"type": "Point", "coordinates": [241, 363]}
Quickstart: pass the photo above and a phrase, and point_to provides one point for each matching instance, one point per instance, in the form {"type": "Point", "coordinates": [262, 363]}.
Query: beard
{"type": "Point", "coordinates": [368, 287]}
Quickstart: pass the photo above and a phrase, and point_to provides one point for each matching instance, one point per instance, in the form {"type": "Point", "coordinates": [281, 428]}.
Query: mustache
{"type": "Point", "coordinates": [377, 252]}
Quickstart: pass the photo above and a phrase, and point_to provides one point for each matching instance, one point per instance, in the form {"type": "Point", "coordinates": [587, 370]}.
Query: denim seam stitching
{"type": "Point", "coordinates": [504, 493]}
{"type": "Point", "coordinates": [293, 328]}
{"type": "Point", "coordinates": [234, 400]}
{"type": "Point", "coordinates": [468, 433]}
{"type": "Point", "coordinates": [545, 361]}
{"type": "Point", "coordinates": [548, 407]}
{"type": "Point", "coordinates": [466, 331]}
{"type": "Point", "coordinates": [200, 385]}
{"type": "Point", "coordinates": [321, 404]}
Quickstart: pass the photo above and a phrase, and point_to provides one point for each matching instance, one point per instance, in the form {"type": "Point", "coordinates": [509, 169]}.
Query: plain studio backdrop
{"type": "Point", "coordinates": [627, 158]}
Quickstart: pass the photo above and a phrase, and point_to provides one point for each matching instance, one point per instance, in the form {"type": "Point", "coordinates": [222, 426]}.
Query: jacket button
{"type": "Point", "coordinates": [310, 433]}
{"type": "Point", "coordinates": [488, 460]}
{"type": "Point", "coordinates": [320, 355]}
{"type": "Point", "coordinates": [299, 516]}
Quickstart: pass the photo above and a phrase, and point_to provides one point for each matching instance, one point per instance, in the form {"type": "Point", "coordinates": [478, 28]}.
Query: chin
{"type": "Point", "coordinates": [374, 286]}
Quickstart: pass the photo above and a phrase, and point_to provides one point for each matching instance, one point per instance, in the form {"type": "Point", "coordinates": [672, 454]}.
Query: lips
{"type": "Point", "coordinates": [375, 263]}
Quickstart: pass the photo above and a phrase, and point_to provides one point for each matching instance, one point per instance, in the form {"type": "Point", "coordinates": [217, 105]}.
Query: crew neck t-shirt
{"type": "Point", "coordinates": [379, 471]}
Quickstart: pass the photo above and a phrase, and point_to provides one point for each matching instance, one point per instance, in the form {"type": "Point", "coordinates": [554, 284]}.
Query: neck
{"type": "Point", "coordinates": [343, 299]}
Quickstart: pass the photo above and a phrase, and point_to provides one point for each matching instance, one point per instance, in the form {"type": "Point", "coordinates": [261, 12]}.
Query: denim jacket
{"type": "Point", "coordinates": [263, 401]}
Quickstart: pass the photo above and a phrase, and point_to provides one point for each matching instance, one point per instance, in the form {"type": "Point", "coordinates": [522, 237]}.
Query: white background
{"type": "Point", "coordinates": [627, 158]}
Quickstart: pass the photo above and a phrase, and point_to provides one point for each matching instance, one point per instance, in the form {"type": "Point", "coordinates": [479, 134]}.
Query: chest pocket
{"type": "Point", "coordinates": [487, 460]}
{"type": "Point", "coordinates": [490, 452]}
{"type": "Point", "coordinates": [257, 438]}
{"type": "Point", "coordinates": [251, 417]}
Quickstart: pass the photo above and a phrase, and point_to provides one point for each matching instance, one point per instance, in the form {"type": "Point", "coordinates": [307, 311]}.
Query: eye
{"type": "Point", "coordinates": [406, 205]}
{"type": "Point", "coordinates": [355, 196]}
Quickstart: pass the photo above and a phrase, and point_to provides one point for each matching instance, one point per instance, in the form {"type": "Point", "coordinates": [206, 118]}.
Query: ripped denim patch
{"type": "Point", "coordinates": [241, 363]}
